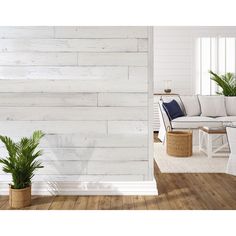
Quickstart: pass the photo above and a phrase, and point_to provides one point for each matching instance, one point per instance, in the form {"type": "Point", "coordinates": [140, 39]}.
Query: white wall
{"type": "Point", "coordinates": [87, 88]}
{"type": "Point", "coordinates": [174, 55]}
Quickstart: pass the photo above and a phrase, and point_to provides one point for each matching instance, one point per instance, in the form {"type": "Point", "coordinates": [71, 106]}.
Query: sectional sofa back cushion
{"type": "Point", "coordinates": [230, 103]}
{"type": "Point", "coordinates": [173, 109]}
{"type": "Point", "coordinates": [191, 105]}
{"type": "Point", "coordinates": [213, 106]}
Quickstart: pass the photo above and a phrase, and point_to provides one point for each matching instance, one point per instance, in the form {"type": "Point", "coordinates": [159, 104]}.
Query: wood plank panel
{"type": "Point", "coordinates": [105, 203]}
{"type": "Point", "coordinates": [151, 202]}
{"type": "Point", "coordinates": [57, 203]}
{"type": "Point", "coordinates": [3, 200]}
{"type": "Point", "coordinates": [222, 202]}
{"type": "Point", "coordinates": [72, 113]}
{"type": "Point", "coordinates": [100, 32]}
{"type": "Point", "coordinates": [40, 203]}
{"type": "Point", "coordinates": [162, 202]}
{"type": "Point", "coordinates": [122, 99]}
{"type": "Point", "coordinates": [54, 127]}
{"type": "Point", "coordinates": [181, 202]}
{"type": "Point", "coordinates": [173, 65]}
{"type": "Point", "coordinates": [185, 195]}
{"type": "Point", "coordinates": [174, 58]}
{"type": "Point", "coordinates": [88, 140]}
{"type": "Point", "coordinates": [85, 86]}
{"type": "Point", "coordinates": [69, 45]}
{"type": "Point", "coordinates": [48, 99]}
{"type": "Point", "coordinates": [128, 203]}
{"type": "Point", "coordinates": [93, 168]}
{"type": "Point", "coordinates": [164, 191]}
{"type": "Point", "coordinates": [93, 203]}
{"type": "Point", "coordinates": [94, 140]}
{"type": "Point", "coordinates": [204, 195]}
{"type": "Point", "coordinates": [229, 181]}
{"type": "Point", "coordinates": [139, 203]}
{"type": "Point", "coordinates": [117, 203]}
{"type": "Point", "coordinates": [53, 59]}
{"type": "Point", "coordinates": [112, 59]}
{"type": "Point", "coordinates": [95, 154]}
{"type": "Point", "coordinates": [173, 52]}
{"type": "Point", "coordinates": [143, 45]}
{"type": "Point", "coordinates": [69, 203]}
{"type": "Point", "coordinates": [52, 81]}
{"type": "Point", "coordinates": [26, 32]}
{"type": "Point", "coordinates": [129, 127]}
{"type": "Point", "coordinates": [64, 72]}
{"type": "Point", "coordinates": [138, 73]}
{"type": "Point", "coordinates": [6, 206]}
{"type": "Point", "coordinates": [190, 193]}
{"type": "Point", "coordinates": [90, 154]}
{"type": "Point", "coordinates": [81, 203]}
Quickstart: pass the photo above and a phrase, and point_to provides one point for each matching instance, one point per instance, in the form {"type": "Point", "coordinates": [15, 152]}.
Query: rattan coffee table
{"type": "Point", "coordinates": [213, 142]}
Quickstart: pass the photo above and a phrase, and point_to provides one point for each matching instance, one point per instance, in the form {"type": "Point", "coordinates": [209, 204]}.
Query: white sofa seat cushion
{"type": "Point", "coordinates": [212, 106]}
{"type": "Point", "coordinates": [191, 105]}
{"type": "Point", "coordinates": [230, 103]}
{"type": "Point", "coordinates": [194, 122]}
{"type": "Point", "coordinates": [226, 119]}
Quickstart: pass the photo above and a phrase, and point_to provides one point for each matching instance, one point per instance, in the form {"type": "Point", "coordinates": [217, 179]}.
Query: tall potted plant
{"type": "Point", "coordinates": [21, 163]}
{"type": "Point", "coordinates": [226, 82]}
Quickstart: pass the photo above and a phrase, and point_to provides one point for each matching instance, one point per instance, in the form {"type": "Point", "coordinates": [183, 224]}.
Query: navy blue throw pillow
{"type": "Point", "coordinates": [173, 109]}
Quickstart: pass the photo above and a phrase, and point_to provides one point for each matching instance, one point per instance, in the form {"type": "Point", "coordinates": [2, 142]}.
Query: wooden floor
{"type": "Point", "coordinates": [176, 192]}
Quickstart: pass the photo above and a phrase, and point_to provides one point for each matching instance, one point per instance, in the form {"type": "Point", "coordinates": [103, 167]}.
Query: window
{"type": "Point", "coordinates": [216, 54]}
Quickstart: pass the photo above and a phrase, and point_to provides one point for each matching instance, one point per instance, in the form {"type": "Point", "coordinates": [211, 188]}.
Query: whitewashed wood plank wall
{"type": "Point", "coordinates": [87, 89]}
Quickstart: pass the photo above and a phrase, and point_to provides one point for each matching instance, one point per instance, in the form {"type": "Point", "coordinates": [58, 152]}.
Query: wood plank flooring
{"type": "Point", "coordinates": [176, 192]}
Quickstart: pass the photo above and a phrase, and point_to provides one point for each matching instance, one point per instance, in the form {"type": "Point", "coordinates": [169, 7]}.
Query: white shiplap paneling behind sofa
{"type": "Point", "coordinates": [87, 89]}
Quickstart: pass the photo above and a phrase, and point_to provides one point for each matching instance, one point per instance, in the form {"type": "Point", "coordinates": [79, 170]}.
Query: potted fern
{"type": "Point", "coordinates": [227, 83]}
{"type": "Point", "coordinates": [21, 163]}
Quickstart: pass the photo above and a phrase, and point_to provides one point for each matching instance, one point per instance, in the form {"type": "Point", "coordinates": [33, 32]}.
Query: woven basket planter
{"type": "Point", "coordinates": [19, 198]}
{"type": "Point", "coordinates": [179, 143]}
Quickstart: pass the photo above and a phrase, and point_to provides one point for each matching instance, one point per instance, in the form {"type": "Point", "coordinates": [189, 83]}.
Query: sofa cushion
{"type": "Point", "coordinates": [177, 98]}
{"type": "Point", "coordinates": [226, 119]}
{"type": "Point", "coordinates": [230, 103]}
{"type": "Point", "coordinates": [173, 109]}
{"type": "Point", "coordinates": [194, 122]}
{"type": "Point", "coordinates": [212, 106]}
{"type": "Point", "coordinates": [191, 105]}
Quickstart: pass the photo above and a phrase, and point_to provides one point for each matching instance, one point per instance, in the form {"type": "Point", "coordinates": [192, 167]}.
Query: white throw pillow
{"type": "Point", "coordinates": [191, 105]}
{"type": "Point", "coordinates": [230, 103]}
{"type": "Point", "coordinates": [213, 106]}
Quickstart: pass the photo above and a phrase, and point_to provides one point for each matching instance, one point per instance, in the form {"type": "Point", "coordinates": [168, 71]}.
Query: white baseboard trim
{"type": "Point", "coordinates": [90, 188]}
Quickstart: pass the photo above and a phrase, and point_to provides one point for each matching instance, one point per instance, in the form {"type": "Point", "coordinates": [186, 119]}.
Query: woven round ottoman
{"type": "Point", "coordinates": [179, 143]}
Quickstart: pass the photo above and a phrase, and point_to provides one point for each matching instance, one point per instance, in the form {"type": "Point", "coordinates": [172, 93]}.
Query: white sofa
{"type": "Point", "coordinates": [211, 111]}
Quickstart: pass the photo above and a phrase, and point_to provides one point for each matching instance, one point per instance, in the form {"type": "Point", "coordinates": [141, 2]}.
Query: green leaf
{"type": "Point", "coordinates": [226, 82]}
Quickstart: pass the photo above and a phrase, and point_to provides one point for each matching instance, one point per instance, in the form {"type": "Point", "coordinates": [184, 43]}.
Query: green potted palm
{"type": "Point", "coordinates": [21, 163]}
{"type": "Point", "coordinates": [226, 82]}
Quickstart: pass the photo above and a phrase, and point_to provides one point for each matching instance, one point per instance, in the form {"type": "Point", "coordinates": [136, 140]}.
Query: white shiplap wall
{"type": "Point", "coordinates": [87, 89]}
{"type": "Point", "coordinates": [173, 59]}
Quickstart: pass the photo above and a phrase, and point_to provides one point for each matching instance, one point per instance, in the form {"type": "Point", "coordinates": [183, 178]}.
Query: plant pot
{"type": "Point", "coordinates": [19, 198]}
